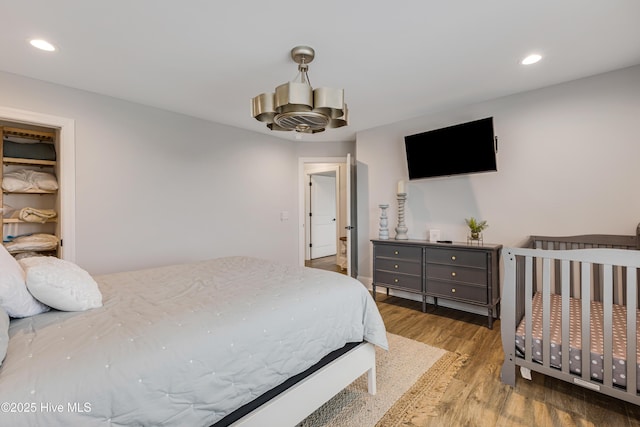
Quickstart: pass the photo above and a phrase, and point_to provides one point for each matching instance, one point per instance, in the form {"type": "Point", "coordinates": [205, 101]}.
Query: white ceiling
{"type": "Point", "coordinates": [395, 60]}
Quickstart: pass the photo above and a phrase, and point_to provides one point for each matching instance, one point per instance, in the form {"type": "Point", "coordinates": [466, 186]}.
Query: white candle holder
{"type": "Point", "coordinates": [401, 229]}
{"type": "Point", "coordinates": [384, 223]}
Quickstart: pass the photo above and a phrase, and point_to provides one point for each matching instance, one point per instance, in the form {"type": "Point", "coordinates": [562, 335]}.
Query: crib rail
{"type": "Point", "coordinates": [586, 241]}
{"type": "Point", "coordinates": [590, 241]}
{"type": "Point", "coordinates": [556, 273]}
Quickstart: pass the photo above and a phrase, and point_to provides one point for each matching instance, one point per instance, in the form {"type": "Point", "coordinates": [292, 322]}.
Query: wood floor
{"type": "Point", "coordinates": [476, 397]}
{"type": "Point", "coordinates": [325, 263]}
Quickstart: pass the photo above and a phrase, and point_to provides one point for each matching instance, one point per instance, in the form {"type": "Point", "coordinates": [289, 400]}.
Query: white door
{"type": "Point", "coordinates": [352, 235]}
{"type": "Point", "coordinates": [323, 216]}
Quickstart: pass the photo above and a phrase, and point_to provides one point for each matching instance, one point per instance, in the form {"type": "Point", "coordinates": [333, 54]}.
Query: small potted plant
{"type": "Point", "coordinates": [475, 228]}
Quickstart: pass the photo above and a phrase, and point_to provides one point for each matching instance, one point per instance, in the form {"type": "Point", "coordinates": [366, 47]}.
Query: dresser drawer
{"type": "Point", "coordinates": [457, 257]}
{"type": "Point", "coordinates": [383, 278]}
{"type": "Point", "coordinates": [457, 291]}
{"type": "Point", "coordinates": [400, 266]}
{"type": "Point", "coordinates": [398, 252]}
{"type": "Point", "coordinates": [457, 274]}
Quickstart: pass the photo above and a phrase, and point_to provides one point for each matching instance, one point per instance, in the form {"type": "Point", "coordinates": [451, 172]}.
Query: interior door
{"type": "Point", "coordinates": [352, 233]}
{"type": "Point", "coordinates": [323, 216]}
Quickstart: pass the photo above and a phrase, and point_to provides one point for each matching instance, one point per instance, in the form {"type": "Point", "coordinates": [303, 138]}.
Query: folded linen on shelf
{"type": "Point", "coordinates": [33, 242]}
{"type": "Point", "coordinates": [29, 181]}
{"type": "Point", "coordinates": [27, 149]}
{"type": "Point", "coordinates": [29, 214]}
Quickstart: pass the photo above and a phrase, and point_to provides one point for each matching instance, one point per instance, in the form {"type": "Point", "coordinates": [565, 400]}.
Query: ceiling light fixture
{"type": "Point", "coordinates": [531, 59]}
{"type": "Point", "coordinates": [42, 45]}
{"type": "Point", "coordinates": [297, 106]}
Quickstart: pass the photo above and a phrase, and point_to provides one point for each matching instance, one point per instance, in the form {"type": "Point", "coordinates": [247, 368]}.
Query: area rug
{"type": "Point", "coordinates": [411, 375]}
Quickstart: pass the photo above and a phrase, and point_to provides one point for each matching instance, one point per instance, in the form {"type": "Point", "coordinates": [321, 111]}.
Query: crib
{"type": "Point", "coordinates": [584, 288]}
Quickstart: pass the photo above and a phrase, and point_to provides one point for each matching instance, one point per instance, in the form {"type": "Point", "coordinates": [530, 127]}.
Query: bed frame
{"type": "Point", "coordinates": [602, 268]}
{"type": "Point", "coordinates": [301, 399]}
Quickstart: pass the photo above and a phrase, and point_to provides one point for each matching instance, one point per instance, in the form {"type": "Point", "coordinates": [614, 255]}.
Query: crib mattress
{"type": "Point", "coordinates": [575, 338]}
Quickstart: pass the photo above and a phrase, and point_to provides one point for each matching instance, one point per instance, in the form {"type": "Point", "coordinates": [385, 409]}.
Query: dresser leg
{"type": "Point", "coordinates": [490, 318]}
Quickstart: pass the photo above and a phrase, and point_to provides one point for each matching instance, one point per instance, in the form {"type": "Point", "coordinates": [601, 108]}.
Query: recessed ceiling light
{"type": "Point", "coordinates": [531, 59]}
{"type": "Point", "coordinates": [42, 45]}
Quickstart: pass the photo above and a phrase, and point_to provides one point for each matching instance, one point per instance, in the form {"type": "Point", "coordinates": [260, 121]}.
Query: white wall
{"type": "Point", "coordinates": [306, 148]}
{"type": "Point", "coordinates": [154, 187]}
{"type": "Point", "coordinates": [567, 164]}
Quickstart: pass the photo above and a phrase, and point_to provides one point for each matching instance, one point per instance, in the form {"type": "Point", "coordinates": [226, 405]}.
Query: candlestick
{"type": "Point", "coordinates": [401, 229]}
{"type": "Point", "coordinates": [384, 231]}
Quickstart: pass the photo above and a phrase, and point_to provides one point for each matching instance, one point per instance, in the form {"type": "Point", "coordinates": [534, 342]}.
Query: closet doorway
{"type": "Point", "coordinates": [65, 129]}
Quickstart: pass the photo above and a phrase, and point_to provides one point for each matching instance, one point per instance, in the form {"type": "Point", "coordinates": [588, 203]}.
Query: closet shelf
{"type": "Point", "coordinates": [28, 162]}
{"type": "Point", "coordinates": [41, 251]}
{"type": "Point", "coordinates": [29, 134]}
{"type": "Point", "coordinates": [41, 192]}
{"type": "Point", "coordinates": [19, 221]}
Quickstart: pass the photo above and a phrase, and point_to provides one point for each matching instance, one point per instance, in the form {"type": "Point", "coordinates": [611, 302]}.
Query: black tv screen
{"type": "Point", "coordinates": [460, 149]}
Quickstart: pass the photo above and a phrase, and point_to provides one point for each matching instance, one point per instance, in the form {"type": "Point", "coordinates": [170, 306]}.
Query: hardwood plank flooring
{"type": "Point", "coordinates": [325, 263]}
{"type": "Point", "coordinates": [476, 396]}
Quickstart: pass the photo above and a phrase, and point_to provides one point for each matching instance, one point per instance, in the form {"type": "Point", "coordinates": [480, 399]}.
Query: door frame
{"type": "Point", "coordinates": [302, 187]}
{"type": "Point", "coordinates": [66, 169]}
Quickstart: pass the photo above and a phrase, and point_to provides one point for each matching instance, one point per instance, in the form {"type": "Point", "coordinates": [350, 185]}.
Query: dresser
{"type": "Point", "coordinates": [466, 273]}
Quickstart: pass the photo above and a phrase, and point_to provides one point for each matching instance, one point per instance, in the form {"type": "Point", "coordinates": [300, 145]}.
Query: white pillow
{"type": "Point", "coordinates": [15, 182]}
{"type": "Point", "coordinates": [27, 180]}
{"type": "Point", "coordinates": [61, 284]}
{"type": "Point", "coordinates": [45, 181]}
{"type": "Point", "coordinates": [14, 296]}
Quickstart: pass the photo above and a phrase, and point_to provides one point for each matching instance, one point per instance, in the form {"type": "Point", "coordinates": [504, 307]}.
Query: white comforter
{"type": "Point", "coordinates": [180, 345]}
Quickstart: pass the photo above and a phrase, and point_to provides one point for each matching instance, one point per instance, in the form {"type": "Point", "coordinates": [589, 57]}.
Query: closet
{"type": "Point", "coordinates": [30, 191]}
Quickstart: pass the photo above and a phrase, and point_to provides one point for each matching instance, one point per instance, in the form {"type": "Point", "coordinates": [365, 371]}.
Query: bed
{"type": "Point", "coordinates": [193, 344]}
{"type": "Point", "coordinates": [581, 287]}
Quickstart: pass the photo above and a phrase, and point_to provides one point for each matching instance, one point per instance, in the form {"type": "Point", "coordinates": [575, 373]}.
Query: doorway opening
{"type": "Point", "coordinates": [325, 214]}
{"type": "Point", "coordinates": [65, 130]}
{"type": "Point", "coordinates": [322, 206]}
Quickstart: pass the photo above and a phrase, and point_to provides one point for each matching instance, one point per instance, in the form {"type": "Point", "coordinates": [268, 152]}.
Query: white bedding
{"type": "Point", "coordinates": [180, 345]}
{"type": "Point", "coordinates": [33, 242]}
{"type": "Point", "coordinates": [29, 181]}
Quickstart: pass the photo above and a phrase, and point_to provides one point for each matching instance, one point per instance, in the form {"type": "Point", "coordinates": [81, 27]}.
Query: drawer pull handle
{"type": "Point", "coordinates": [453, 274]}
{"type": "Point", "coordinates": [395, 266]}
{"type": "Point", "coordinates": [395, 280]}
{"type": "Point", "coordinates": [453, 258]}
{"type": "Point", "coordinates": [396, 252]}
{"type": "Point", "coordinates": [453, 290]}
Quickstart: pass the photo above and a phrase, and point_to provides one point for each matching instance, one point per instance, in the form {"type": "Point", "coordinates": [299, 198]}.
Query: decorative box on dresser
{"type": "Point", "coordinates": [466, 273]}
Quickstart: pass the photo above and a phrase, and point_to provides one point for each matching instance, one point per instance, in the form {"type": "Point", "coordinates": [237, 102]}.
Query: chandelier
{"type": "Point", "coordinates": [297, 106]}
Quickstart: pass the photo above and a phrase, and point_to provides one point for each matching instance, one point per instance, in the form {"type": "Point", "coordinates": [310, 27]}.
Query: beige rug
{"type": "Point", "coordinates": [410, 376]}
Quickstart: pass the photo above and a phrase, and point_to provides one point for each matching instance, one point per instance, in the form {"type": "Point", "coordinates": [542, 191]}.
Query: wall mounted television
{"type": "Point", "coordinates": [455, 150]}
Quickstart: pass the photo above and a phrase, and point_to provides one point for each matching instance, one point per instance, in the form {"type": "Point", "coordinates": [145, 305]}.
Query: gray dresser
{"type": "Point", "coordinates": [458, 272]}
